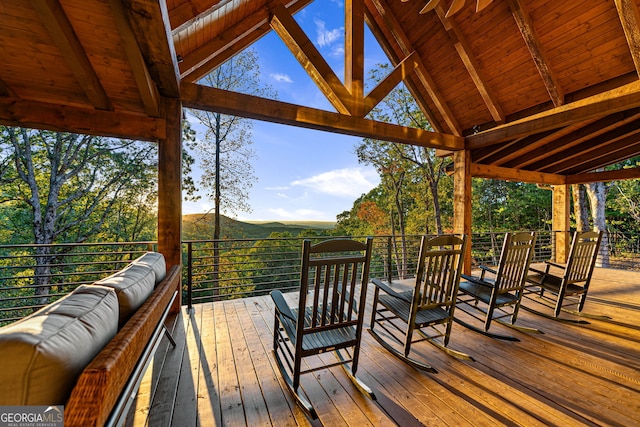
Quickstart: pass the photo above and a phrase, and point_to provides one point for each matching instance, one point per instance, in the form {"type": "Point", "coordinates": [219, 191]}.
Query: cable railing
{"type": "Point", "coordinates": [32, 276]}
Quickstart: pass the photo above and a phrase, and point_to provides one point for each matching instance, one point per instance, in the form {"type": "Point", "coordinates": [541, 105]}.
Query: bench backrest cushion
{"type": "Point", "coordinates": [133, 285]}
{"type": "Point", "coordinates": [43, 354]}
{"type": "Point", "coordinates": [155, 261]}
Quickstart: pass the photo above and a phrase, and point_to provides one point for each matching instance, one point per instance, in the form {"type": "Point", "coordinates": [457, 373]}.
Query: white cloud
{"type": "Point", "coordinates": [301, 214]}
{"type": "Point", "coordinates": [281, 78]}
{"type": "Point", "coordinates": [327, 37]}
{"type": "Point", "coordinates": [348, 183]}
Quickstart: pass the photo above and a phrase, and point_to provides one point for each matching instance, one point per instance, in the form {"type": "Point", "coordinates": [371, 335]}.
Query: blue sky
{"type": "Point", "coordinates": [304, 174]}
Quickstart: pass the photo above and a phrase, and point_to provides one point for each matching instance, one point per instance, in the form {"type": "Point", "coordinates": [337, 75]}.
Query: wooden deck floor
{"type": "Point", "coordinates": [222, 372]}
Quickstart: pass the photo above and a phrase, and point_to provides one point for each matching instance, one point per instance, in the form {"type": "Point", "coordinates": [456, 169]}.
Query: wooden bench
{"type": "Point", "coordinates": [107, 386]}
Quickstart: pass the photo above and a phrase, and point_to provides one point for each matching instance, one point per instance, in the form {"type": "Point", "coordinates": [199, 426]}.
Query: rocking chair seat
{"type": "Point", "coordinates": [402, 308]}
{"type": "Point", "coordinates": [315, 342]}
{"type": "Point", "coordinates": [553, 283]}
{"type": "Point", "coordinates": [483, 290]}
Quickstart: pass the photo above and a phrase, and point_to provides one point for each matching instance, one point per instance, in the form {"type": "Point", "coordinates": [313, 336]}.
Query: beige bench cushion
{"type": "Point", "coordinates": [133, 285]}
{"type": "Point", "coordinates": [42, 355]}
{"type": "Point", "coordinates": [155, 261]}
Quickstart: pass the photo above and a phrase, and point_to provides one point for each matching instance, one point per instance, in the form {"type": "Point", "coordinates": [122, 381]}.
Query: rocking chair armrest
{"type": "Point", "coordinates": [477, 280]}
{"type": "Point", "coordinates": [382, 285]}
{"type": "Point", "coordinates": [484, 269]}
{"type": "Point", "coordinates": [281, 305]}
{"type": "Point", "coordinates": [554, 264]}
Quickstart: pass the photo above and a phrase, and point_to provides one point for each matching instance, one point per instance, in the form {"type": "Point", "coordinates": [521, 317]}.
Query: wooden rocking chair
{"type": "Point", "coordinates": [568, 283]}
{"type": "Point", "coordinates": [499, 297]}
{"type": "Point", "coordinates": [329, 316]}
{"type": "Point", "coordinates": [428, 306]}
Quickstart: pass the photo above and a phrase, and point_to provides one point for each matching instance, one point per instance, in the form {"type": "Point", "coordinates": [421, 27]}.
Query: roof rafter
{"type": "Point", "coordinates": [399, 73]}
{"type": "Point", "coordinates": [146, 86]}
{"type": "Point", "coordinates": [394, 30]}
{"type": "Point", "coordinates": [311, 60]}
{"type": "Point", "coordinates": [627, 148]}
{"type": "Point", "coordinates": [630, 19]}
{"type": "Point", "coordinates": [253, 107]}
{"type": "Point", "coordinates": [354, 51]}
{"type": "Point", "coordinates": [537, 52]}
{"type": "Point", "coordinates": [62, 33]}
{"type": "Point", "coordinates": [149, 21]}
{"type": "Point", "coordinates": [470, 63]}
{"type": "Point", "coordinates": [622, 98]}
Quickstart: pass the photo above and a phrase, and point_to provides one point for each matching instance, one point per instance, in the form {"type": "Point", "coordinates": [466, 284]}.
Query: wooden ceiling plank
{"type": "Point", "coordinates": [542, 156]}
{"type": "Point", "coordinates": [232, 103]}
{"type": "Point", "coordinates": [395, 29]}
{"type": "Point", "coordinates": [149, 21]}
{"type": "Point", "coordinates": [537, 51]}
{"type": "Point", "coordinates": [519, 175]}
{"type": "Point", "coordinates": [382, 89]}
{"type": "Point", "coordinates": [470, 63]}
{"type": "Point", "coordinates": [496, 153]}
{"type": "Point", "coordinates": [187, 13]}
{"type": "Point", "coordinates": [630, 20]}
{"type": "Point", "coordinates": [65, 118]}
{"type": "Point", "coordinates": [354, 52]}
{"type": "Point", "coordinates": [63, 35]}
{"type": "Point", "coordinates": [311, 60]}
{"type": "Point", "coordinates": [613, 101]}
{"type": "Point", "coordinates": [5, 89]}
{"type": "Point", "coordinates": [604, 176]}
{"type": "Point", "coordinates": [146, 86]}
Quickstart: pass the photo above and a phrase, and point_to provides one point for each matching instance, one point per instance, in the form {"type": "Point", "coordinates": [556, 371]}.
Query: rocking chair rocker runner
{"type": "Point", "coordinates": [329, 316]}
{"type": "Point", "coordinates": [499, 296]}
{"type": "Point", "coordinates": [430, 304]}
{"type": "Point", "coordinates": [569, 283]}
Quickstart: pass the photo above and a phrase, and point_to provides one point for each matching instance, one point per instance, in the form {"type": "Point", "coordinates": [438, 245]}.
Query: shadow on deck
{"type": "Point", "coordinates": [222, 372]}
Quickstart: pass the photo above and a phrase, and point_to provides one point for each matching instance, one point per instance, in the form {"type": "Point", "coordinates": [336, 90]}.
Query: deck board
{"type": "Point", "coordinates": [222, 372]}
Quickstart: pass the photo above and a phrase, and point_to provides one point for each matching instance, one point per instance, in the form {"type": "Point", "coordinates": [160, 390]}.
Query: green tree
{"type": "Point", "coordinates": [64, 187]}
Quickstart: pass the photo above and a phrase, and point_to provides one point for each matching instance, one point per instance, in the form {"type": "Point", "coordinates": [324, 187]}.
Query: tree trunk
{"type": "Point", "coordinates": [580, 208]}
{"type": "Point", "coordinates": [597, 192]}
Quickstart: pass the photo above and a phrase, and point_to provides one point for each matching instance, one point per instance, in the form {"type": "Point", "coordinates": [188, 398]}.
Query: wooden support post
{"type": "Point", "coordinates": [560, 221]}
{"type": "Point", "coordinates": [462, 200]}
{"type": "Point", "coordinates": [170, 189]}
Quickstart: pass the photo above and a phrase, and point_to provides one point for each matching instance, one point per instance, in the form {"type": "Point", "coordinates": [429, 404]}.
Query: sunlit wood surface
{"type": "Point", "coordinates": [222, 372]}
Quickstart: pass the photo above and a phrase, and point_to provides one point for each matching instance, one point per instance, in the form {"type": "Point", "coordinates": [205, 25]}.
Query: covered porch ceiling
{"type": "Point", "coordinates": [541, 91]}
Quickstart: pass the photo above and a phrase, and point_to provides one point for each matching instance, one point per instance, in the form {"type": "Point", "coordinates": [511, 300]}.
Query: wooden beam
{"type": "Point", "coordinates": [149, 21]}
{"type": "Point", "coordinates": [54, 117]}
{"type": "Point", "coordinates": [594, 107]}
{"type": "Point", "coordinates": [470, 63]}
{"type": "Point", "coordinates": [399, 73]}
{"type": "Point", "coordinates": [630, 19]}
{"type": "Point", "coordinates": [63, 35]}
{"type": "Point", "coordinates": [237, 104]}
{"type": "Point", "coordinates": [311, 60]}
{"type": "Point", "coordinates": [394, 30]}
{"type": "Point", "coordinates": [354, 52]}
{"type": "Point", "coordinates": [604, 176]}
{"type": "Point", "coordinates": [213, 53]}
{"type": "Point", "coordinates": [170, 189]}
{"type": "Point", "coordinates": [606, 156]}
{"type": "Point", "coordinates": [146, 86]}
{"type": "Point", "coordinates": [537, 51]}
{"type": "Point", "coordinates": [5, 89]}
{"type": "Point", "coordinates": [519, 175]}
